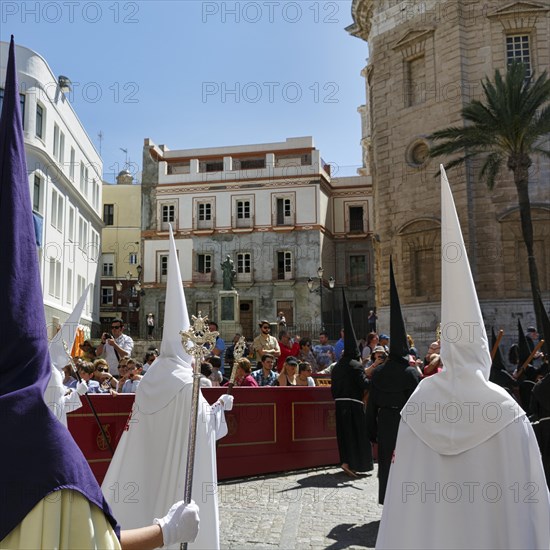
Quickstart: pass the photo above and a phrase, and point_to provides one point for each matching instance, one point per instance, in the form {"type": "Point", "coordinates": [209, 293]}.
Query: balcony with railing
{"type": "Point", "coordinates": [199, 277]}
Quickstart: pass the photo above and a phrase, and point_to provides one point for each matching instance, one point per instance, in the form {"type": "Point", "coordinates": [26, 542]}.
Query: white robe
{"type": "Point", "coordinates": [58, 400]}
{"type": "Point", "coordinates": [147, 473]}
{"type": "Point", "coordinates": [492, 496]}
{"type": "Point", "coordinates": [467, 471]}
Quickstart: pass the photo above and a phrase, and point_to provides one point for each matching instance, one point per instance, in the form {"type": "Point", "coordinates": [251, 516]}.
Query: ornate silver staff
{"type": "Point", "coordinates": [238, 352]}
{"type": "Point", "coordinates": [92, 408]}
{"type": "Point", "coordinates": [197, 340]}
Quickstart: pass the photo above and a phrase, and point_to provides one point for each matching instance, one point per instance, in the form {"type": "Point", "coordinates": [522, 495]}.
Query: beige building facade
{"type": "Point", "coordinates": [426, 61]}
{"type": "Point", "coordinates": [275, 210]}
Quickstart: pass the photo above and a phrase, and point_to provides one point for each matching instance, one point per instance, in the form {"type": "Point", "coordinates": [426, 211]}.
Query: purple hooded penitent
{"type": "Point", "coordinates": [38, 455]}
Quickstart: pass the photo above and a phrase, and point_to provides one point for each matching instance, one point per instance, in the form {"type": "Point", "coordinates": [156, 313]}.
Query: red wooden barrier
{"type": "Point", "coordinates": [270, 430]}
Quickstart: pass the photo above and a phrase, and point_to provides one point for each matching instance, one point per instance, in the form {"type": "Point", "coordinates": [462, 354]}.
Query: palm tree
{"type": "Point", "coordinates": [509, 126]}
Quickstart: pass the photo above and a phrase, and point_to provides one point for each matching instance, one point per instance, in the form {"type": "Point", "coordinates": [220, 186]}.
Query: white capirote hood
{"type": "Point", "coordinates": [458, 408]}
{"type": "Point", "coordinates": [67, 334]}
{"type": "Point", "coordinates": [172, 368]}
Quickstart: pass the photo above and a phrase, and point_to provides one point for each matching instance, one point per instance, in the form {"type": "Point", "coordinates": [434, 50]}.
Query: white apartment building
{"type": "Point", "coordinates": [65, 186]}
{"type": "Point", "coordinates": [274, 209]}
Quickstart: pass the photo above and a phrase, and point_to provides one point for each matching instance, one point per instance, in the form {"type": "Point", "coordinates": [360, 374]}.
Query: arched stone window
{"type": "Point", "coordinates": [420, 242]}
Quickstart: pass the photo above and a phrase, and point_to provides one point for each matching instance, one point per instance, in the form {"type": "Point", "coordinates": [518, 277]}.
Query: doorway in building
{"type": "Point", "coordinates": [160, 318]}
{"type": "Point", "coordinates": [247, 318]}
{"type": "Point", "coordinates": [359, 315]}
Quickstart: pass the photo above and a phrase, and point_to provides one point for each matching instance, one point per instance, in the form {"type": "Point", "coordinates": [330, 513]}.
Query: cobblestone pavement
{"type": "Point", "coordinates": [319, 508]}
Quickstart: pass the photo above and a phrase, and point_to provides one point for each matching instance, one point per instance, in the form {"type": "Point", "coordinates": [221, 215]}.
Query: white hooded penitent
{"type": "Point", "coordinates": [147, 473]}
{"type": "Point", "coordinates": [67, 334]}
{"type": "Point", "coordinates": [467, 471]}
{"type": "Point", "coordinates": [55, 395]}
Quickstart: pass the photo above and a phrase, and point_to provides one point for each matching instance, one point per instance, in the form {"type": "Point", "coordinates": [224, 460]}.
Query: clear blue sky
{"type": "Point", "coordinates": [196, 74]}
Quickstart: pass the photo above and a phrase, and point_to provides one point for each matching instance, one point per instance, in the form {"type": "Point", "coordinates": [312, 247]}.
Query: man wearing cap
{"type": "Point", "coordinates": [265, 343]}
{"type": "Point", "coordinates": [378, 356]}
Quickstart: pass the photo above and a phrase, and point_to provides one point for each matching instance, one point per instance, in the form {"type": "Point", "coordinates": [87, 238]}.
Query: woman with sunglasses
{"type": "Point", "coordinates": [305, 355]}
{"type": "Point", "coordinates": [304, 377]}
{"type": "Point", "coordinates": [102, 375]}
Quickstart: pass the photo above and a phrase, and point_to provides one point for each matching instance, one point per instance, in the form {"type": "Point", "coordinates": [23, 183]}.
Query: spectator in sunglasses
{"type": "Point", "coordinates": [265, 343]}
{"type": "Point", "coordinates": [304, 377]}
{"type": "Point", "coordinates": [305, 355]}
{"type": "Point", "coordinates": [115, 346]}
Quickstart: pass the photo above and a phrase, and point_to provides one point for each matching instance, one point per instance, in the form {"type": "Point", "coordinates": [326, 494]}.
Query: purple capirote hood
{"type": "Point", "coordinates": [38, 455]}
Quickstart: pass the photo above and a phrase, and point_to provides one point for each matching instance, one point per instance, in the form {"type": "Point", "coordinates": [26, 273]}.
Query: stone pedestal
{"type": "Point", "coordinates": [228, 312]}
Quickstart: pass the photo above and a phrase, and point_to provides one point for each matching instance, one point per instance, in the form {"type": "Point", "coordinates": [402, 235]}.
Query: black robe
{"type": "Point", "coordinates": [540, 406]}
{"type": "Point", "coordinates": [391, 386]}
{"type": "Point", "coordinates": [504, 379]}
{"type": "Point", "coordinates": [526, 384]}
{"type": "Point", "coordinates": [349, 382]}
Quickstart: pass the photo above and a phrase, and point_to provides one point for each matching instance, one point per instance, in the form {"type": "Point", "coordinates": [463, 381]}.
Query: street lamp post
{"type": "Point", "coordinates": [310, 285]}
{"type": "Point", "coordinates": [130, 292]}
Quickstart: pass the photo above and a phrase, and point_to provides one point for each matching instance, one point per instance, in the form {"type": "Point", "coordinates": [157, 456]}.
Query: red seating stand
{"type": "Point", "coordinates": [270, 430]}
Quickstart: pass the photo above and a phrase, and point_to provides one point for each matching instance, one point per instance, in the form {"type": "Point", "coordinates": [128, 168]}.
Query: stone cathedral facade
{"type": "Point", "coordinates": [426, 61]}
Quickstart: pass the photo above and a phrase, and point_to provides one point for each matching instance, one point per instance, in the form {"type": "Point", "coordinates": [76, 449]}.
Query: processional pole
{"type": "Point", "coordinates": [79, 378]}
{"type": "Point", "coordinates": [238, 352]}
{"type": "Point", "coordinates": [497, 344]}
{"type": "Point", "coordinates": [197, 340]}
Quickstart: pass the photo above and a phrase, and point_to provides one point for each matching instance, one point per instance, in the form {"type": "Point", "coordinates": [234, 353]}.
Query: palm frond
{"type": "Point", "coordinates": [452, 147]}
{"type": "Point", "coordinates": [541, 151]}
{"type": "Point", "coordinates": [510, 121]}
{"type": "Point", "coordinates": [540, 126]}
{"type": "Point", "coordinates": [535, 95]}
{"type": "Point", "coordinates": [456, 162]}
{"type": "Point", "coordinates": [458, 138]}
{"type": "Point", "coordinates": [491, 168]}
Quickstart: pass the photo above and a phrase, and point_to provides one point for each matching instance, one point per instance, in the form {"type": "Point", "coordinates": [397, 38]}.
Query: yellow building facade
{"type": "Point", "coordinates": [120, 264]}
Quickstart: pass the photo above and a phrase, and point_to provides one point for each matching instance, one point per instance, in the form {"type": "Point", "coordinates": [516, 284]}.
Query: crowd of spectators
{"type": "Point", "coordinates": [294, 361]}
{"type": "Point", "coordinates": [289, 360]}
{"type": "Point", "coordinates": [109, 368]}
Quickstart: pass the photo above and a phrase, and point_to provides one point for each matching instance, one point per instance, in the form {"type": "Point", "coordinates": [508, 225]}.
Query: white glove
{"type": "Point", "coordinates": [180, 524]}
{"type": "Point", "coordinates": [81, 388]}
{"type": "Point", "coordinates": [226, 401]}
